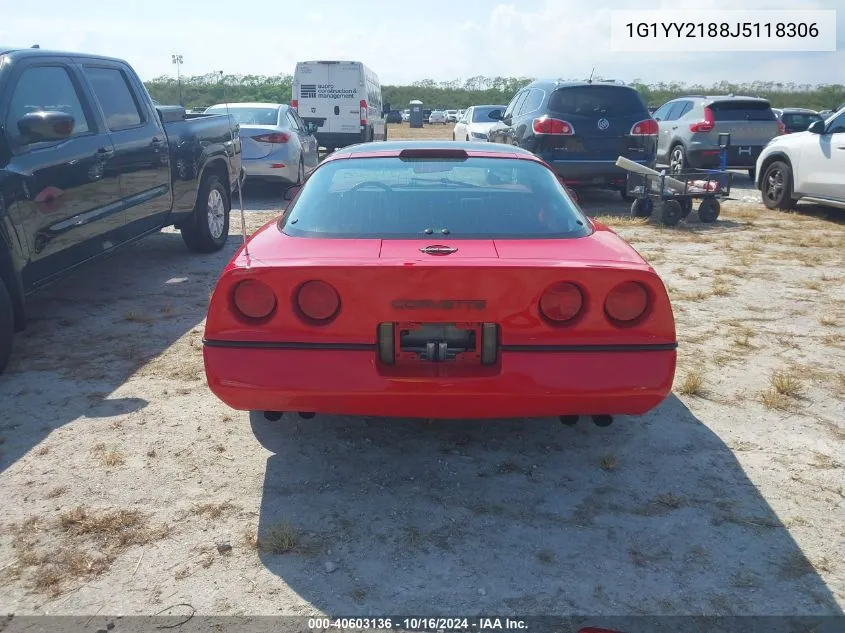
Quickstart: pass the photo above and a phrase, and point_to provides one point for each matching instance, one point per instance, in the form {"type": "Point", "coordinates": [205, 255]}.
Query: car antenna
{"type": "Point", "coordinates": [241, 176]}
{"type": "Point", "coordinates": [590, 80]}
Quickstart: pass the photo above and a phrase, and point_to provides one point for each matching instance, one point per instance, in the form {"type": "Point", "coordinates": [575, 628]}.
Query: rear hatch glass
{"type": "Point", "coordinates": [602, 117]}
{"type": "Point", "coordinates": [737, 110]}
{"type": "Point", "coordinates": [751, 123]}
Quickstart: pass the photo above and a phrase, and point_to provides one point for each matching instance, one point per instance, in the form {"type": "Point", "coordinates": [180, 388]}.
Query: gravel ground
{"type": "Point", "coordinates": [128, 487]}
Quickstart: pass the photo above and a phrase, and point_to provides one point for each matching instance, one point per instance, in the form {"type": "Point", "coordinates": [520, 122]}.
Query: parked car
{"type": "Point", "coordinates": [796, 119]}
{"type": "Point", "coordinates": [277, 145]}
{"type": "Point", "coordinates": [516, 305]}
{"type": "Point", "coordinates": [690, 128]}
{"type": "Point", "coordinates": [451, 116]}
{"type": "Point", "coordinates": [406, 115]}
{"type": "Point", "coordinates": [437, 116]}
{"type": "Point", "coordinates": [426, 113]}
{"type": "Point", "coordinates": [806, 166]}
{"type": "Point", "coordinates": [393, 116]}
{"type": "Point", "coordinates": [88, 163]}
{"type": "Point", "coordinates": [580, 129]}
{"type": "Point", "coordinates": [344, 100]}
{"type": "Point", "coordinates": [477, 122]}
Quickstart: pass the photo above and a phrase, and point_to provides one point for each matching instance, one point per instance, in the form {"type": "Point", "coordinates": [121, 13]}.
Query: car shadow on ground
{"type": "Point", "coordinates": [89, 332]}
{"type": "Point", "coordinates": [651, 515]}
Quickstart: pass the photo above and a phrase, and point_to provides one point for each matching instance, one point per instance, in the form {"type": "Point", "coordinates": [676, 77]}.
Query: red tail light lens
{"type": "Point", "coordinates": [294, 103]}
{"type": "Point", "coordinates": [318, 301]}
{"type": "Point", "coordinates": [275, 137]}
{"type": "Point", "coordinates": [548, 125]}
{"type": "Point", "coordinates": [254, 299]}
{"type": "Point", "coordinates": [646, 127]}
{"type": "Point", "coordinates": [781, 127]}
{"type": "Point", "coordinates": [561, 302]}
{"type": "Point", "coordinates": [706, 125]}
{"type": "Point", "coordinates": [365, 112]}
{"type": "Point", "coordinates": [627, 302]}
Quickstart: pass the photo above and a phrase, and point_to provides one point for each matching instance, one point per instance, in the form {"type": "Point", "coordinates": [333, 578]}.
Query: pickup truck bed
{"type": "Point", "coordinates": [88, 163]}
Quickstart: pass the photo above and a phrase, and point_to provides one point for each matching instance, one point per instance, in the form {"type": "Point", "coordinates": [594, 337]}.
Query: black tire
{"type": "Point", "coordinates": [686, 206]}
{"type": "Point", "coordinates": [453, 137]}
{"type": "Point", "coordinates": [677, 159]}
{"type": "Point", "coordinates": [752, 174]}
{"type": "Point", "coordinates": [7, 326]}
{"type": "Point", "coordinates": [642, 208]}
{"type": "Point", "coordinates": [467, 139]}
{"type": "Point", "coordinates": [203, 233]}
{"type": "Point", "coordinates": [776, 186]}
{"type": "Point", "coordinates": [670, 213]}
{"type": "Point", "coordinates": [385, 133]}
{"type": "Point", "coordinates": [300, 175]}
{"type": "Point", "coordinates": [708, 210]}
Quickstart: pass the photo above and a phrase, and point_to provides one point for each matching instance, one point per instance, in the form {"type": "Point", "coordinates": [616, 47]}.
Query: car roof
{"type": "Point", "coordinates": [554, 84]}
{"type": "Point", "coordinates": [393, 148]}
{"type": "Point", "coordinates": [251, 104]}
{"type": "Point", "coordinates": [15, 51]}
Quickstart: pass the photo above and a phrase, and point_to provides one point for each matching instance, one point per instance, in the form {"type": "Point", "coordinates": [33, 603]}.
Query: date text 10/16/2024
{"type": "Point", "coordinates": [418, 624]}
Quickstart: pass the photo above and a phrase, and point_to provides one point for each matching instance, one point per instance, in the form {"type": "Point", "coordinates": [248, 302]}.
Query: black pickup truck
{"type": "Point", "coordinates": [89, 163]}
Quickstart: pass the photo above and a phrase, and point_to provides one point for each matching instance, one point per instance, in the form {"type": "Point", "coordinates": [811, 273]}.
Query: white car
{"type": "Point", "coordinates": [437, 116]}
{"type": "Point", "coordinates": [451, 116]}
{"type": "Point", "coordinates": [406, 115]}
{"type": "Point", "coordinates": [475, 123]}
{"type": "Point", "coordinates": [806, 166]}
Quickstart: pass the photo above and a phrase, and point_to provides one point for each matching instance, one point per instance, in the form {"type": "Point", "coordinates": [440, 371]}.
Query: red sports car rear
{"type": "Point", "coordinates": [421, 280]}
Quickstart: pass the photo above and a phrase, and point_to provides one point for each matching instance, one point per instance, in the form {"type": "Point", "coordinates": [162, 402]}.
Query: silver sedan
{"type": "Point", "coordinates": [276, 144]}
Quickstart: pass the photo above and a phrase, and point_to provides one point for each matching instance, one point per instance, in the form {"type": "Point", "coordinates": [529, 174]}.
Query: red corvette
{"type": "Point", "coordinates": [438, 280]}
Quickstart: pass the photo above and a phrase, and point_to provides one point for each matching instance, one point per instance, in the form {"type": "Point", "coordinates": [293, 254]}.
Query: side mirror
{"type": "Point", "coordinates": [45, 126]}
{"type": "Point", "coordinates": [291, 192]}
{"type": "Point", "coordinates": [816, 127]}
{"type": "Point", "coordinates": [495, 115]}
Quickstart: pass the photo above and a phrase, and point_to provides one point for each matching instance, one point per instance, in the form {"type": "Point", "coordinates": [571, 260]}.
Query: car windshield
{"type": "Point", "coordinates": [482, 115]}
{"type": "Point", "coordinates": [799, 121]}
{"type": "Point", "coordinates": [469, 198]}
{"type": "Point", "coordinates": [249, 116]}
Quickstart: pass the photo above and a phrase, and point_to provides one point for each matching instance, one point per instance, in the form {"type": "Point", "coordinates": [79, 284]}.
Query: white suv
{"type": "Point", "coordinates": [806, 166]}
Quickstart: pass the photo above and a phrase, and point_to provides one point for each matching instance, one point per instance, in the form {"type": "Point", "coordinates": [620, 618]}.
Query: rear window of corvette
{"type": "Point", "coordinates": [472, 198]}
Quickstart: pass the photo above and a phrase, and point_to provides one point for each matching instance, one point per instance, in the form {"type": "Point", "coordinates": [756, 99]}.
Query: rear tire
{"type": "Point", "coordinates": [678, 159]}
{"type": "Point", "coordinates": [708, 210]}
{"type": "Point", "coordinates": [776, 186]}
{"type": "Point", "coordinates": [670, 213]}
{"type": "Point", "coordinates": [642, 208]}
{"type": "Point", "coordinates": [7, 326]}
{"type": "Point", "coordinates": [208, 228]}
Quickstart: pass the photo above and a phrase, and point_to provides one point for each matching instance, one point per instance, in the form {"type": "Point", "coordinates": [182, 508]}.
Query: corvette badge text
{"type": "Point", "coordinates": [439, 304]}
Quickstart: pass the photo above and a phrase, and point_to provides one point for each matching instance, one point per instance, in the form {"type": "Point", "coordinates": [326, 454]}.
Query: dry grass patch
{"type": "Point", "coordinates": [615, 221]}
{"type": "Point", "coordinates": [721, 287]}
{"type": "Point", "coordinates": [787, 384]}
{"type": "Point", "coordinates": [79, 544]}
{"type": "Point", "coordinates": [695, 295]}
{"type": "Point", "coordinates": [828, 320]}
{"type": "Point", "coordinates": [57, 492]}
{"type": "Point", "coordinates": [692, 384]}
{"type": "Point", "coordinates": [109, 457]}
{"type": "Point", "coordinates": [812, 284]}
{"type": "Point", "coordinates": [138, 317]}
{"type": "Point", "coordinates": [212, 511]}
{"type": "Point", "coordinates": [279, 539]}
{"type": "Point", "coordinates": [608, 462]}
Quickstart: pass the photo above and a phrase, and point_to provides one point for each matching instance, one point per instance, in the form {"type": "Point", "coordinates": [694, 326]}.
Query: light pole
{"type": "Point", "coordinates": [177, 59]}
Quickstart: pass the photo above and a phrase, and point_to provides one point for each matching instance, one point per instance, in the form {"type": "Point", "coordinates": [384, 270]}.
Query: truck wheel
{"type": "Point", "coordinates": [208, 229]}
{"type": "Point", "coordinates": [641, 208]}
{"type": "Point", "coordinates": [776, 186]}
{"type": "Point", "coordinates": [7, 326]}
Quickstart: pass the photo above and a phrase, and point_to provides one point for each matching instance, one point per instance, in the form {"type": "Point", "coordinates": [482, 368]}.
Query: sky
{"type": "Point", "coordinates": [401, 40]}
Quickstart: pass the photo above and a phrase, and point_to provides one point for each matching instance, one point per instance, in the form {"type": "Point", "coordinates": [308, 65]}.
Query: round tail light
{"type": "Point", "coordinates": [561, 302]}
{"type": "Point", "coordinates": [626, 302]}
{"type": "Point", "coordinates": [254, 299]}
{"type": "Point", "coordinates": [317, 300]}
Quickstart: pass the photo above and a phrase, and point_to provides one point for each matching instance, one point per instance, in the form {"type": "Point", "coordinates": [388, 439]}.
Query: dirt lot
{"type": "Point", "coordinates": [128, 487]}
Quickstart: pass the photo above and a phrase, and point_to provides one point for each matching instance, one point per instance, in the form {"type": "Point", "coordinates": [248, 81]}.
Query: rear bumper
{"type": "Point", "coordinates": [263, 168]}
{"type": "Point", "coordinates": [525, 384]}
{"type": "Point", "coordinates": [338, 139]}
{"type": "Point", "coordinates": [739, 156]}
{"type": "Point", "coordinates": [597, 173]}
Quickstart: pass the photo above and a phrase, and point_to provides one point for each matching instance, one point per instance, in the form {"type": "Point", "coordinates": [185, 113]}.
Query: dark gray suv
{"type": "Point", "coordinates": [689, 129]}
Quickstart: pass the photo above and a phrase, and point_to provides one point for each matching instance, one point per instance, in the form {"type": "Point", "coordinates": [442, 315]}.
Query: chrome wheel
{"type": "Point", "coordinates": [774, 185]}
{"type": "Point", "coordinates": [676, 160]}
{"type": "Point", "coordinates": [216, 211]}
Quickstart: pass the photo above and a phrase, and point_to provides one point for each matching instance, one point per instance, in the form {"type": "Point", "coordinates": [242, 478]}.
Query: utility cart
{"type": "Point", "coordinates": [672, 195]}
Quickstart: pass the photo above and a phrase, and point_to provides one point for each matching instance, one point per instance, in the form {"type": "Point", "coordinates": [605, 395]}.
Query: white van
{"type": "Point", "coordinates": [343, 98]}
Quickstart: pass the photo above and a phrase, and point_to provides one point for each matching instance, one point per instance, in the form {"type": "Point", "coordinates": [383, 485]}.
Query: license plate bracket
{"type": "Point", "coordinates": [430, 343]}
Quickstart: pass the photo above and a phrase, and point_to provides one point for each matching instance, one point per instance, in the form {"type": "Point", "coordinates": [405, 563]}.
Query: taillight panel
{"type": "Point", "coordinates": [253, 299]}
{"type": "Point", "coordinates": [275, 137]}
{"type": "Point", "coordinates": [562, 303]}
{"type": "Point", "coordinates": [628, 303]}
{"type": "Point", "coordinates": [316, 302]}
{"type": "Point", "coordinates": [706, 125]}
{"type": "Point", "coordinates": [551, 126]}
{"type": "Point", "coordinates": [646, 127]}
